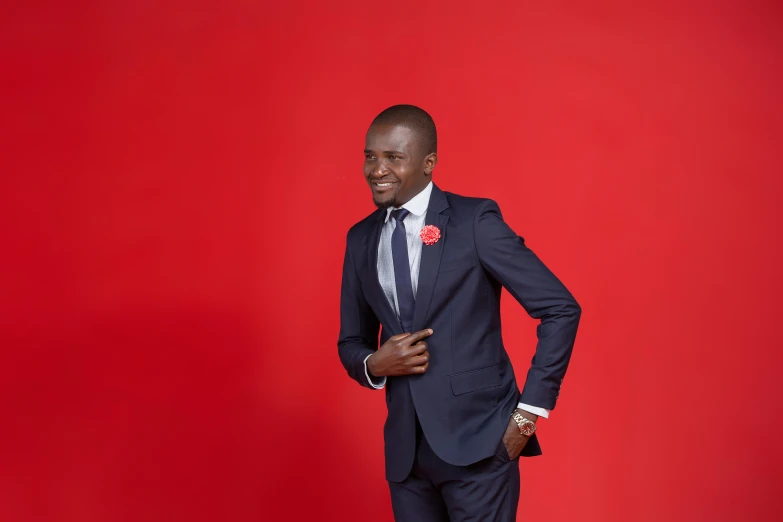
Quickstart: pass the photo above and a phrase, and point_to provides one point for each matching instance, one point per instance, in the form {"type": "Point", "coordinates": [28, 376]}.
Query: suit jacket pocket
{"type": "Point", "coordinates": [474, 380]}
{"type": "Point", "coordinates": [456, 264]}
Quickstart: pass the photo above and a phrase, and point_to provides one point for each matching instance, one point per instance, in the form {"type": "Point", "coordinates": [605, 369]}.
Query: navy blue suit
{"type": "Point", "coordinates": [465, 399]}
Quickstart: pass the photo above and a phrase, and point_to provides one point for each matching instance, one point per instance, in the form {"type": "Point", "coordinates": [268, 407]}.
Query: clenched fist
{"type": "Point", "coordinates": [403, 354]}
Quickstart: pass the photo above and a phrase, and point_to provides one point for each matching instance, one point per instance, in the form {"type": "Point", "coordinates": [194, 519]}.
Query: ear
{"type": "Point", "coordinates": [429, 163]}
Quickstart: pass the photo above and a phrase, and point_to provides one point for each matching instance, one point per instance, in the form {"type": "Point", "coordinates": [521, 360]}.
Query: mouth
{"type": "Point", "coordinates": [382, 186]}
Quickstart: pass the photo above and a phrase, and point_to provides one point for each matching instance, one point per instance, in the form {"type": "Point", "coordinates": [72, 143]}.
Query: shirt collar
{"type": "Point", "coordinates": [417, 205]}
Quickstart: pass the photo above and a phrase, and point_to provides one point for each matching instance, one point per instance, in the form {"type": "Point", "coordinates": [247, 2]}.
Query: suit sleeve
{"type": "Point", "coordinates": [358, 325]}
{"type": "Point", "coordinates": [506, 257]}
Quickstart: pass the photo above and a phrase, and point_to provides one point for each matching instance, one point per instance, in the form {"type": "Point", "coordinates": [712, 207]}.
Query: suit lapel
{"type": "Point", "coordinates": [430, 257]}
{"type": "Point", "coordinates": [386, 314]}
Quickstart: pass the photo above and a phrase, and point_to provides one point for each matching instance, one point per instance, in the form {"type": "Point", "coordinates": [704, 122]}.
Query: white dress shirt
{"type": "Point", "coordinates": [414, 222]}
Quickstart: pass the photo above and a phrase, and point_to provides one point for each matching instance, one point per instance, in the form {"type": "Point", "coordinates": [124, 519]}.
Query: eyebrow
{"type": "Point", "coordinates": [399, 153]}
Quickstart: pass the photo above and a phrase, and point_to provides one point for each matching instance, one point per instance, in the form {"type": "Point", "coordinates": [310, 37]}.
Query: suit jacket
{"type": "Point", "coordinates": [465, 398]}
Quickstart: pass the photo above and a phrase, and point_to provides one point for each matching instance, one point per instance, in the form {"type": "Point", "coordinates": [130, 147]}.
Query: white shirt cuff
{"type": "Point", "coordinates": [369, 379]}
{"type": "Point", "coordinates": [535, 410]}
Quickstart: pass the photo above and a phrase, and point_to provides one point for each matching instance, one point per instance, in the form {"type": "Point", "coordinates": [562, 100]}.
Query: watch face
{"type": "Point", "coordinates": [527, 428]}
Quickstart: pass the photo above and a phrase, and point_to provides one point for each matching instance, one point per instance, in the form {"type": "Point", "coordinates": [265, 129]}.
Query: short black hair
{"type": "Point", "coordinates": [414, 118]}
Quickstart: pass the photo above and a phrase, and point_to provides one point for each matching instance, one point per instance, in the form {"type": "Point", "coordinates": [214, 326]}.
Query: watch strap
{"type": "Point", "coordinates": [526, 426]}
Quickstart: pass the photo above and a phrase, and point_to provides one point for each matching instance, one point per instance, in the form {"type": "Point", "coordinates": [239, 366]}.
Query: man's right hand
{"type": "Point", "coordinates": [403, 354]}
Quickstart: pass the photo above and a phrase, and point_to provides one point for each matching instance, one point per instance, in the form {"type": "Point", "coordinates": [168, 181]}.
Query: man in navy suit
{"type": "Point", "coordinates": [426, 270]}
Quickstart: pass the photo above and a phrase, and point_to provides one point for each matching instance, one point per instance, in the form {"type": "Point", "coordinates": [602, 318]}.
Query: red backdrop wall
{"type": "Point", "coordinates": [179, 178]}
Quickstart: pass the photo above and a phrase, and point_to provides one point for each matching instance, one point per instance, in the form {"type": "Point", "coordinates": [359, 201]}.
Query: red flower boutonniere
{"type": "Point", "coordinates": [429, 234]}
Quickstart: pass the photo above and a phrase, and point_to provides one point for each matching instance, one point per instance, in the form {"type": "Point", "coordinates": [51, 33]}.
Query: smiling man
{"type": "Point", "coordinates": [426, 270]}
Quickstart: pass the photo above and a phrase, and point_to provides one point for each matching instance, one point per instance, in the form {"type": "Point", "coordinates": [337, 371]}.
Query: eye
{"type": "Point", "coordinates": [369, 157]}
{"type": "Point", "coordinates": [394, 157]}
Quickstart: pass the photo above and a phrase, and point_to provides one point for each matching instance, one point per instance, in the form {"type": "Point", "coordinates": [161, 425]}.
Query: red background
{"type": "Point", "coordinates": [179, 180]}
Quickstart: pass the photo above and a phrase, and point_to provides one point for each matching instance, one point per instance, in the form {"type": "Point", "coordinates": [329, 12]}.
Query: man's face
{"type": "Point", "coordinates": [395, 165]}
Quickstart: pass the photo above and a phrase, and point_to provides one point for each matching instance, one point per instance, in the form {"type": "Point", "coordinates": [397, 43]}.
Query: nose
{"type": "Point", "coordinates": [379, 171]}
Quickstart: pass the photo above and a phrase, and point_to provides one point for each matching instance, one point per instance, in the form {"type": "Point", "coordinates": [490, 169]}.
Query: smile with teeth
{"type": "Point", "coordinates": [383, 185]}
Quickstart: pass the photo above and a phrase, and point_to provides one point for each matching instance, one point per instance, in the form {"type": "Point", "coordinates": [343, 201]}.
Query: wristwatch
{"type": "Point", "coordinates": [526, 426]}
